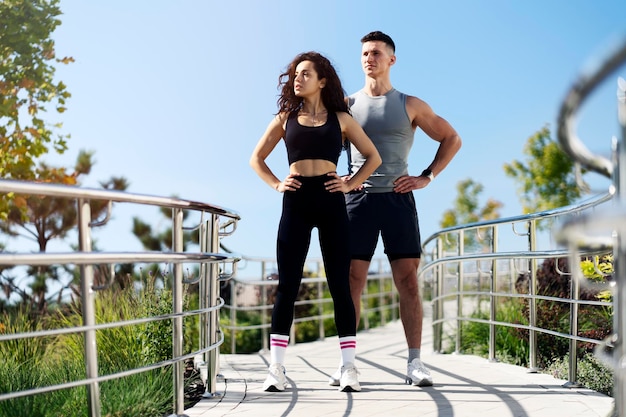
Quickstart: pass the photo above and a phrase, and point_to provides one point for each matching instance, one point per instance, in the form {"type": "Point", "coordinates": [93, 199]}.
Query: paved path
{"type": "Point", "coordinates": [464, 386]}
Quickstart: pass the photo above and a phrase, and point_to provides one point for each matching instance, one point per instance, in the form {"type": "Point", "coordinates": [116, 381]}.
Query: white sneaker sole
{"type": "Point", "coordinates": [349, 388]}
{"type": "Point", "coordinates": [273, 388]}
{"type": "Point", "coordinates": [421, 383]}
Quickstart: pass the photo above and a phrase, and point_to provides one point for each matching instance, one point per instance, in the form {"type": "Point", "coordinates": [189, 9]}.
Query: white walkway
{"type": "Point", "coordinates": [464, 386]}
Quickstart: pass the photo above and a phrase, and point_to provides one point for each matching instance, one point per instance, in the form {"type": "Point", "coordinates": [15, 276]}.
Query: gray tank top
{"type": "Point", "coordinates": [386, 122]}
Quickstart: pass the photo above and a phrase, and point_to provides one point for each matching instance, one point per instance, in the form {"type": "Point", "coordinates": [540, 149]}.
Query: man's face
{"type": "Point", "coordinates": [376, 58]}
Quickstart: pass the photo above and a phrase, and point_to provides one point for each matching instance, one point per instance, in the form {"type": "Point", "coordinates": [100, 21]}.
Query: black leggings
{"type": "Point", "coordinates": [312, 206]}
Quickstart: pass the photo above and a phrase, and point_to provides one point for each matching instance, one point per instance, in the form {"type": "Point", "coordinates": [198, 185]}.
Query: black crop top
{"type": "Point", "coordinates": [306, 142]}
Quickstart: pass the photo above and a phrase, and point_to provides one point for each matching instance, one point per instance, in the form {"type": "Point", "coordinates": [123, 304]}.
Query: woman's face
{"type": "Point", "coordinates": [306, 82]}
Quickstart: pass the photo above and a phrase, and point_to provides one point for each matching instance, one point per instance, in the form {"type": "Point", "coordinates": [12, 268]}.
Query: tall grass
{"type": "Point", "coordinates": [39, 362]}
{"type": "Point", "coordinates": [23, 366]}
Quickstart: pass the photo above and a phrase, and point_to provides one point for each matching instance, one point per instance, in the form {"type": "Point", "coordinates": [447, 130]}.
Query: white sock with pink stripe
{"type": "Point", "coordinates": [278, 347]}
{"type": "Point", "coordinates": [348, 349]}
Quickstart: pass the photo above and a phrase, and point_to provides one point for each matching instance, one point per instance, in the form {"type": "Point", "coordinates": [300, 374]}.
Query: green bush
{"type": "Point", "coordinates": [592, 373]}
{"type": "Point", "coordinates": [247, 341]}
{"type": "Point", "coordinates": [510, 347]}
{"type": "Point", "coordinates": [593, 321]}
{"type": "Point", "coordinates": [119, 348]}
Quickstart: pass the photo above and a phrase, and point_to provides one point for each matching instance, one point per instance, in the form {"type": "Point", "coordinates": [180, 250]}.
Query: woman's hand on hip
{"type": "Point", "coordinates": [289, 184]}
{"type": "Point", "coordinates": [336, 184]}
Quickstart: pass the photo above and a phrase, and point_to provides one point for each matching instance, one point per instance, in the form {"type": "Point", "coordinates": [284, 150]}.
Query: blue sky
{"type": "Point", "coordinates": [174, 95]}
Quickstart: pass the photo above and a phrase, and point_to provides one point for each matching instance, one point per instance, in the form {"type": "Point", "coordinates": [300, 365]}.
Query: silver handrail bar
{"type": "Point", "coordinates": [568, 138]}
{"type": "Point", "coordinates": [102, 326]}
{"type": "Point", "coordinates": [56, 190]}
{"type": "Point", "coordinates": [571, 209]}
{"type": "Point", "coordinates": [90, 258]}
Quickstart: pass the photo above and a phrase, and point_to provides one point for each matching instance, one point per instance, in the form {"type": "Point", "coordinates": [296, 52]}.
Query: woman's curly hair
{"type": "Point", "coordinates": [333, 93]}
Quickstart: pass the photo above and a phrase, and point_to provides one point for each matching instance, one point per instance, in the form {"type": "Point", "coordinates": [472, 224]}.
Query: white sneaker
{"type": "Point", "coordinates": [276, 380]}
{"type": "Point", "coordinates": [335, 378]}
{"type": "Point", "coordinates": [349, 379]}
{"type": "Point", "coordinates": [418, 374]}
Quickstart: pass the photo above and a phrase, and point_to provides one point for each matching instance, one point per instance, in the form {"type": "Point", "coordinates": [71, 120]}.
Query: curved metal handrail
{"type": "Point", "coordinates": [90, 258]}
{"type": "Point", "coordinates": [57, 190]}
{"type": "Point", "coordinates": [568, 138]}
{"type": "Point", "coordinates": [561, 211]}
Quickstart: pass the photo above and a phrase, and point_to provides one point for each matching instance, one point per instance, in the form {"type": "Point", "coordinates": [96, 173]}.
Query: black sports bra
{"type": "Point", "coordinates": [320, 142]}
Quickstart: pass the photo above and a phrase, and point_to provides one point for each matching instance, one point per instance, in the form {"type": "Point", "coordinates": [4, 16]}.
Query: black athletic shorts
{"type": "Point", "coordinates": [390, 215]}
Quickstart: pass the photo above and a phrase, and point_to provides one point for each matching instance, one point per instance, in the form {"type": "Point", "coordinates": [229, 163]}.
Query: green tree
{"type": "Point", "coordinates": [154, 240]}
{"type": "Point", "coordinates": [28, 87]}
{"type": "Point", "coordinates": [467, 210]}
{"type": "Point", "coordinates": [42, 219]}
{"type": "Point", "coordinates": [547, 179]}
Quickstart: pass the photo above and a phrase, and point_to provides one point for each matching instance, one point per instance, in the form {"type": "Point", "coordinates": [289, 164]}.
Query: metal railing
{"type": "Point", "coordinates": [609, 226]}
{"type": "Point", "coordinates": [214, 222]}
{"type": "Point", "coordinates": [593, 228]}
{"type": "Point", "coordinates": [253, 295]}
{"type": "Point", "coordinates": [491, 273]}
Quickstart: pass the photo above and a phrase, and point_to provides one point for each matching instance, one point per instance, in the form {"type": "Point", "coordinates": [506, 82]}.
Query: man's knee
{"type": "Point", "coordinates": [358, 274]}
{"type": "Point", "coordinates": [405, 274]}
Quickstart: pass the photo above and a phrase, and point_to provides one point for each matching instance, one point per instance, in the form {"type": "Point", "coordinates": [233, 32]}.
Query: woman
{"type": "Point", "coordinates": [314, 122]}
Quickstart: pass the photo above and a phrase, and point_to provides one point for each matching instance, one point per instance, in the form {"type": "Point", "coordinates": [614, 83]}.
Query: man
{"type": "Point", "coordinates": [385, 204]}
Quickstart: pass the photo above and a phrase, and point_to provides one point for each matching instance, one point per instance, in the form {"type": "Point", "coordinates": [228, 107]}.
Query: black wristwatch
{"type": "Point", "coordinates": [428, 173]}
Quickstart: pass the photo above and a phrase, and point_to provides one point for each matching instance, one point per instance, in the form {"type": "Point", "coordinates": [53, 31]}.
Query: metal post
{"type": "Point", "coordinates": [438, 292]}
{"type": "Point", "coordinates": [177, 324]}
{"type": "Point", "coordinates": [233, 317]}
{"type": "Point", "coordinates": [214, 327]}
{"type": "Point", "coordinates": [264, 312]}
{"type": "Point", "coordinates": [88, 309]}
{"type": "Point", "coordinates": [574, 291]}
{"type": "Point", "coordinates": [619, 327]}
{"type": "Point", "coordinates": [203, 296]}
{"type": "Point", "coordinates": [532, 301]}
{"type": "Point", "coordinates": [395, 297]}
{"type": "Point", "coordinates": [493, 299]}
{"type": "Point", "coordinates": [365, 306]}
{"type": "Point", "coordinates": [320, 311]}
{"type": "Point", "coordinates": [619, 313]}
{"type": "Point", "coordinates": [459, 299]}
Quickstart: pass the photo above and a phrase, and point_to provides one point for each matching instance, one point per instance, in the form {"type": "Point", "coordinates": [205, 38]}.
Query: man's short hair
{"type": "Point", "coordinates": [379, 36]}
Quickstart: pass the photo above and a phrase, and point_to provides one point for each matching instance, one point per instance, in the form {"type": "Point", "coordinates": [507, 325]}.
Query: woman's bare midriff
{"type": "Point", "coordinates": [312, 167]}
